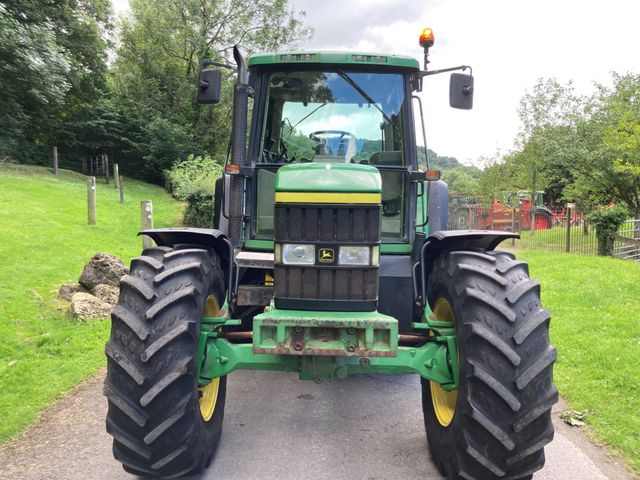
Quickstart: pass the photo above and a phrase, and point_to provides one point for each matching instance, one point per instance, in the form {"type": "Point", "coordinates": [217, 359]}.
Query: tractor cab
{"type": "Point", "coordinates": [333, 109]}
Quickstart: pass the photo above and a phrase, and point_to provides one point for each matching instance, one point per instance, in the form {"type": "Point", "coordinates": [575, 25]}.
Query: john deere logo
{"type": "Point", "coordinates": [326, 255]}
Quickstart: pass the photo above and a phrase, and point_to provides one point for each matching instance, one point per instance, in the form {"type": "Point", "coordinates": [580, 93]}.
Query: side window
{"type": "Point", "coordinates": [393, 199]}
{"type": "Point", "coordinates": [264, 203]}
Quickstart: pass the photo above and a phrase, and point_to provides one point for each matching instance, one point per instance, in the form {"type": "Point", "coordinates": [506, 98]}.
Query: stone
{"type": "Point", "coordinates": [66, 291]}
{"type": "Point", "coordinates": [106, 293]}
{"type": "Point", "coordinates": [103, 268]}
{"type": "Point", "coordinates": [85, 306]}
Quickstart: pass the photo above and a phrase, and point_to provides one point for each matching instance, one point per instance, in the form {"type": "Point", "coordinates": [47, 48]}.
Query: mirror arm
{"type": "Point", "coordinates": [207, 63]}
{"type": "Point", "coordinates": [445, 70]}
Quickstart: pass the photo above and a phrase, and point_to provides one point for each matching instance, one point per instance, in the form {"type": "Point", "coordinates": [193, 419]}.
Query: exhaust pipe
{"type": "Point", "coordinates": [238, 150]}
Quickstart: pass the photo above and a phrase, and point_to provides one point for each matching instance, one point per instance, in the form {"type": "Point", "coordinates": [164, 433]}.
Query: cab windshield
{"type": "Point", "coordinates": [334, 116]}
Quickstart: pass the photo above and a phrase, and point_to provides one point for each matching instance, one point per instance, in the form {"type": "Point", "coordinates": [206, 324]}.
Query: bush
{"type": "Point", "coordinates": [607, 221]}
{"type": "Point", "coordinates": [193, 180]}
{"type": "Point", "coordinates": [193, 175]}
{"type": "Point", "coordinates": [199, 211]}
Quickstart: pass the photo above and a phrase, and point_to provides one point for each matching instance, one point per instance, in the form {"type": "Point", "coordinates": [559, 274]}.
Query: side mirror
{"type": "Point", "coordinates": [461, 91]}
{"type": "Point", "coordinates": [209, 86]}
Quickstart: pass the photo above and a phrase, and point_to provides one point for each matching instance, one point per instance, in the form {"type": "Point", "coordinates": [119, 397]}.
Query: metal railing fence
{"type": "Point", "coordinates": [560, 230]}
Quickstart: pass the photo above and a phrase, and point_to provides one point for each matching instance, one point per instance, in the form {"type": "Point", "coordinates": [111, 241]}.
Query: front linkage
{"type": "Point", "coordinates": [326, 345]}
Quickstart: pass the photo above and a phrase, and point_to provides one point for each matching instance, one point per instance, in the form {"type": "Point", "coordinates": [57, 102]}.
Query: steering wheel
{"type": "Point", "coordinates": [314, 135]}
{"type": "Point", "coordinates": [324, 146]}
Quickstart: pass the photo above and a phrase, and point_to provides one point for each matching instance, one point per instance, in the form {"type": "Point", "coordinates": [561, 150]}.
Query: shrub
{"type": "Point", "coordinates": [607, 221]}
{"type": "Point", "coordinates": [199, 211]}
{"type": "Point", "coordinates": [195, 174]}
{"type": "Point", "coordinates": [193, 180]}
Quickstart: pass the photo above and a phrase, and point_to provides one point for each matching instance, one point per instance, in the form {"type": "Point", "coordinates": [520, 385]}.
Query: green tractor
{"type": "Point", "coordinates": [329, 256]}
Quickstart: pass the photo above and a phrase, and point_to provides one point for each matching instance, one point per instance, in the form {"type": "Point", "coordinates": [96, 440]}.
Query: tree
{"type": "Point", "coordinates": [609, 135]}
{"type": "Point", "coordinates": [622, 138]}
{"type": "Point", "coordinates": [460, 181]}
{"type": "Point", "coordinates": [27, 45]}
{"type": "Point", "coordinates": [53, 71]}
{"type": "Point", "coordinates": [498, 176]}
{"type": "Point", "coordinates": [547, 113]}
{"type": "Point", "coordinates": [163, 44]}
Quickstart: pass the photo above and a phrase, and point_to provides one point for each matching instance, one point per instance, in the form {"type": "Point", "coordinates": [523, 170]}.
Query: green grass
{"type": "Point", "coordinates": [595, 308]}
{"type": "Point", "coordinates": [44, 242]}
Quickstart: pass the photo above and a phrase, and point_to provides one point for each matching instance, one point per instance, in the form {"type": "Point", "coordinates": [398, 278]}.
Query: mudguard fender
{"type": "Point", "coordinates": [201, 237]}
{"type": "Point", "coordinates": [450, 240]}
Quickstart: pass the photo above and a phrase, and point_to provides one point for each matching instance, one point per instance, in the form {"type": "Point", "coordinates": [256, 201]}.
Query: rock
{"type": "Point", "coordinates": [106, 293]}
{"type": "Point", "coordinates": [66, 291]}
{"type": "Point", "coordinates": [85, 306]}
{"type": "Point", "coordinates": [103, 269]}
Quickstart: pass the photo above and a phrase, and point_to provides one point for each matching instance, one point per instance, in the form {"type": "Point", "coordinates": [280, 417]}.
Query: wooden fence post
{"type": "Point", "coordinates": [513, 225]}
{"type": "Point", "coordinates": [91, 200]}
{"type": "Point", "coordinates": [106, 169]}
{"type": "Point", "coordinates": [146, 217]}
{"type": "Point", "coordinates": [55, 160]}
{"type": "Point", "coordinates": [116, 176]}
{"type": "Point", "coordinates": [568, 218]}
{"type": "Point", "coordinates": [121, 185]}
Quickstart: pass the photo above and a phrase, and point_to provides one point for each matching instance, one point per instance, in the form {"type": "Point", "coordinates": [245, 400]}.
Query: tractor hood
{"type": "Point", "coordinates": [328, 177]}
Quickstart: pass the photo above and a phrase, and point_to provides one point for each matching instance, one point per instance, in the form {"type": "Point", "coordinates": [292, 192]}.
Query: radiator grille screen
{"type": "Point", "coordinates": [322, 286]}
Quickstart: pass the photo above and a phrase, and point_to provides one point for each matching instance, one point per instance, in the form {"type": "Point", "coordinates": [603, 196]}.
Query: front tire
{"type": "Point", "coordinates": [162, 424]}
{"type": "Point", "coordinates": [496, 424]}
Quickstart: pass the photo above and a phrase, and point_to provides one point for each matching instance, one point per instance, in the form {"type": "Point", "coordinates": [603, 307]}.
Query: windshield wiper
{"type": "Point", "coordinates": [364, 95]}
{"type": "Point", "coordinates": [314, 111]}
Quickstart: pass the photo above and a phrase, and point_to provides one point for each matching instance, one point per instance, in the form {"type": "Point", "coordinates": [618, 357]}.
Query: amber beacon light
{"type": "Point", "coordinates": [426, 38]}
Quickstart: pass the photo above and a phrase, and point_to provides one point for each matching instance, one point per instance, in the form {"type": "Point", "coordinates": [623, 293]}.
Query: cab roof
{"type": "Point", "coordinates": [343, 58]}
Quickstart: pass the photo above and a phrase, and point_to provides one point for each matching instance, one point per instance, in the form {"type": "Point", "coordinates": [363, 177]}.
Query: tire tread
{"type": "Point", "coordinates": [502, 420]}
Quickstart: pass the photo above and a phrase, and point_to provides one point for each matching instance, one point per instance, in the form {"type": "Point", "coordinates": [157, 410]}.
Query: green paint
{"type": "Point", "coordinates": [421, 213]}
{"type": "Point", "coordinates": [430, 361]}
{"type": "Point", "coordinates": [259, 245]}
{"type": "Point", "coordinates": [373, 335]}
{"type": "Point", "coordinates": [223, 357]}
{"type": "Point", "coordinates": [328, 177]}
{"type": "Point", "coordinates": [396, 248]}
{"type": "Point", "coordinates": [294, 332]}
{"type": "Point", "coordinates": [341, 58]}
{"type": "Point", "coordinates": [385, 248]}
{"type": "Point", "coordinates": [327, 316]}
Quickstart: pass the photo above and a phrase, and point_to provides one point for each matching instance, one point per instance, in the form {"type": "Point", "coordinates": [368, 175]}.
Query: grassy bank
{"type": "Point", "coordinates": [44, 242]}
{"type": "Point", "coordinates": [595, 307]}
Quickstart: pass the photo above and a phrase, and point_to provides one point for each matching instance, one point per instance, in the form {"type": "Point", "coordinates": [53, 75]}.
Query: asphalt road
{"type": "Point", "coordinates": [277, 427]}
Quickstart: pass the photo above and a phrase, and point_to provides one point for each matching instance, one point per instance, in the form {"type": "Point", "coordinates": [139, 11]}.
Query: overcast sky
{"type": "Point", "coordinates": [509, 44]}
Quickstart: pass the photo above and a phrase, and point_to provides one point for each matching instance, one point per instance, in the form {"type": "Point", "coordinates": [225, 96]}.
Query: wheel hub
{"type": "Point", "coordinates": [209, 393]}
{"type": "Point", "coordinates": [444, 401]}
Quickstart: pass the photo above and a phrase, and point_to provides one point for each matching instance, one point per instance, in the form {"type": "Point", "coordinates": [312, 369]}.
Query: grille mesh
{"type": "Point", "coordinates": [336, 287]}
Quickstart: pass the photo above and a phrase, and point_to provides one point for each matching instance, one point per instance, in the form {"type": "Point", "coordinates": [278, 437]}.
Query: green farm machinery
{"type": "Point", "coordinates": [330, 256]}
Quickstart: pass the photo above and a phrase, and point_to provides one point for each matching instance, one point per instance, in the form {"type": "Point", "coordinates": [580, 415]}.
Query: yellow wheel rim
{"type": "Point", "coordinates": [209, 393]}
{"type": "Point", "coordinates": [444, 401]}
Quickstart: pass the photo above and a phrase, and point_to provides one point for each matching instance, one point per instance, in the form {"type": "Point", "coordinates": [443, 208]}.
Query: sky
{"type": "Point", "coordinates": [509, 44]}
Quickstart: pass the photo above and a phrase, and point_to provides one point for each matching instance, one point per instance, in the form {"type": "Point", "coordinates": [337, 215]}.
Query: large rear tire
{"type": "Point", "coordinates": [162, 424]}
{"type": "Point", "coordinates": [496, 424]}
{"type": "Point", "coordinates": [542, 220]}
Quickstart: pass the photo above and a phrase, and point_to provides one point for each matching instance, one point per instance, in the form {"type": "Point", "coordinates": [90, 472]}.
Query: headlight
{"type": "Point", "coordinates": [354, 256]}
{"type": "Point", "coordinates": [293, 254]}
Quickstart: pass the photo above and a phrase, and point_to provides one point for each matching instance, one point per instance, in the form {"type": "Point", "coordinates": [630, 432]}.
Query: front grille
{"type": "Point", "coordinates": [327, 286]}
{"type": "Point", "coordinates": [341, 224]}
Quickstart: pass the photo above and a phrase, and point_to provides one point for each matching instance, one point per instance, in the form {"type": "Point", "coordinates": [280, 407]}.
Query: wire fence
{"type": "Point", "coordinates": [540, 228]}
